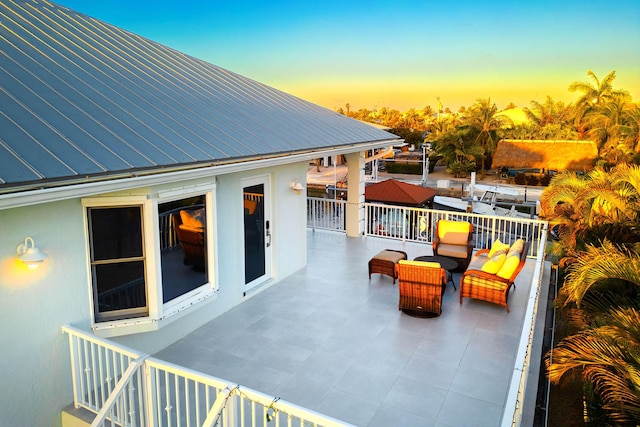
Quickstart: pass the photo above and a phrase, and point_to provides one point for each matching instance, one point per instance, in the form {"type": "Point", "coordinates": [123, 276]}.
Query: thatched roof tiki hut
{"type": "Point", "coordinates": [545, 155]}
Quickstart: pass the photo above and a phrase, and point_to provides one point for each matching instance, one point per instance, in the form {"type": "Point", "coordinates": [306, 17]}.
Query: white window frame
{"type": "Point", "coordinates": [159, 313]}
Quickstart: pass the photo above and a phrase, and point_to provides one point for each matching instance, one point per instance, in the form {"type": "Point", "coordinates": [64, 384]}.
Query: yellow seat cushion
{"type": "Point", "coordinates": [420, 263]}
{"type": "Point", "coordinates": [498, 248]}
{"type": "Point", "coordinates": [493, 265]}
{"type": "Point", "coordinates": [453, 232]}
{"type": "Point", "coordinates": [508, 267]}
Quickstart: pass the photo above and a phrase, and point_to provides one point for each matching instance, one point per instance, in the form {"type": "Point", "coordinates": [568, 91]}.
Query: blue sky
{"type": "Point", "coordinates": [399, 54]}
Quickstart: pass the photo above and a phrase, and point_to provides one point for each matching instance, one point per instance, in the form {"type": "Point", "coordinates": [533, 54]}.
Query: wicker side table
{"type": "Point", "coordinates": [385, 263]}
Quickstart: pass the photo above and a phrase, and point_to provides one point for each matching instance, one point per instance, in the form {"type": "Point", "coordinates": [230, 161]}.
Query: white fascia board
{"type": "Point", "coordinates": [101, 185]}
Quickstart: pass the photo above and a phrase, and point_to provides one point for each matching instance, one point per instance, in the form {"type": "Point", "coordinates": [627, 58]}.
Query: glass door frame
{"type": "Point", "coordinates": [267, 228]}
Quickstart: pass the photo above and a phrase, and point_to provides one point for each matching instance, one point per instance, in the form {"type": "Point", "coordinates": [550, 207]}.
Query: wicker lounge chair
{"type": "Point", "coordinates": [491, 287]}
{"type": "Point", "coordinates": [454, 239]}
{"type": "Point", "coordinates": [421, 285]}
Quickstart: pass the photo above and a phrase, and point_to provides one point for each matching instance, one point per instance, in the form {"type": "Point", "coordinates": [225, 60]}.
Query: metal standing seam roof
{"type": "Point", "coordinates": [80, 97]}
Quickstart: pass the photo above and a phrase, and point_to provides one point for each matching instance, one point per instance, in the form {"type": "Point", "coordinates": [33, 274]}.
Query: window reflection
{"type": "Point", "coordinates": [183, 234]}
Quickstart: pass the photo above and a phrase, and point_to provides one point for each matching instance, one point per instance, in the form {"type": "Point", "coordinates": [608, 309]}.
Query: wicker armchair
{"type": "Point", "coordinates": [478, 284]}
{"type": "Point", "coordinates": [421, 286]}
{"type": "Point", "coordinates": [454, 239]}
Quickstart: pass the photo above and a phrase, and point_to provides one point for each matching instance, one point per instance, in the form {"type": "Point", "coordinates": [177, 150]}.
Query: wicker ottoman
{"type": "Point", "coordinates": [385, 263]}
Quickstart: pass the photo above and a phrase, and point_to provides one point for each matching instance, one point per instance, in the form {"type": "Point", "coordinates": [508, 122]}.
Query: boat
{"type": "Point", "coordinates": [491, 202]}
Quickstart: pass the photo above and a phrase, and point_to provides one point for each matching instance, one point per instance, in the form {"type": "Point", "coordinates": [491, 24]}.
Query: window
{"type": "Point", "coordinates": [183, 246]}
{"type": "Point", "coordinates": [149, 259]}
{"type": "Point", "coordinates": [117, 262]}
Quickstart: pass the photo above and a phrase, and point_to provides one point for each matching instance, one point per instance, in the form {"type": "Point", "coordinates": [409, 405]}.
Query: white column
{"type": "Point", "coordinates": [355, 195]}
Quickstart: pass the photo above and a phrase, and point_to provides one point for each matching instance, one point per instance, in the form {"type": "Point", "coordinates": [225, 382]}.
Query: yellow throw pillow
{"type": "Point", "coordinates": [420, 263]}
{"type": "Point", "coordinates": [509, 266]}
{"type": "Point", "coordinates": [189, 221]}
{"type": "Point", "coordinates": [498, 248]}
{"type": "Point", "coordinates": [493, 265]}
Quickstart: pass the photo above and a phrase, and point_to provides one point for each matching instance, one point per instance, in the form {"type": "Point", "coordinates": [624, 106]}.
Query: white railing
{"type": "Point", "coordinates": [125, 387]}
{"type": "Point", "coordinates": [419, 225]}
{"type": "Point", "coordinates": [326, 214]}
{"type": "Point", "coordinates": [514, 405]}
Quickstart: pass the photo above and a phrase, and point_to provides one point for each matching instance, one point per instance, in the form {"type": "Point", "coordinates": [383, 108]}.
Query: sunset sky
{"type": "Point", "coordinates": [403, 54]}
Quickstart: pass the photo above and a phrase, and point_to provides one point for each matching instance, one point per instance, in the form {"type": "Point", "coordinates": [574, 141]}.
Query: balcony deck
{"type": "Point", "coordinates": [328, 339]}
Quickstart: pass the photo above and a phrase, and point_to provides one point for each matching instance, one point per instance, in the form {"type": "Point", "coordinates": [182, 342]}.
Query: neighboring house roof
{"type": "Point", "coordinates": [397, 192]}
{"type": "Point", "coordinates": [542, 154]}
{"type": "Point", "coordinates": [81, 98]}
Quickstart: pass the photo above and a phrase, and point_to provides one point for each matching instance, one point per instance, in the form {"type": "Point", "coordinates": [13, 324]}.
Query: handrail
{"type": "Point", "coordinates": [149, 391]}
{"type": "Point", "coordinates": [512, 415]}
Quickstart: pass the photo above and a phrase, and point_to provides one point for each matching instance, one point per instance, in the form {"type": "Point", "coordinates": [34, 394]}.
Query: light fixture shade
{"type": "Point", "coordinates": [29, 253]}
{"type": "Point", "coordinates": [296, 186]}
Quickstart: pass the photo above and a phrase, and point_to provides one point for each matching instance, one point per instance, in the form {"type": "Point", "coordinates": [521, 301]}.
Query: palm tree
{"type": "Point", "coordinates": [593, 95]}
{"type": "Point", "coordinates": [598, 264]}
{"type": "Point", "coordinates": [614, 126]}
{"type": "Point", "coordinates": [607, 357]}
{"type": "Point", "coordinates": [586, 209]}
{"type": "Point", "coordinates": [484, 118]}
{"type": "Point", "coordinates": [548, 113]}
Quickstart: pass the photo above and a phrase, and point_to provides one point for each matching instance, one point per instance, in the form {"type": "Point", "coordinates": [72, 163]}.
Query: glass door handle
{"type": "Point", "coordinates": [268, 233]}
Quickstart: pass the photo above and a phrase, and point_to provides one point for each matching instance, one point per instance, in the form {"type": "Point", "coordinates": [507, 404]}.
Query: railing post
{"type": "Point", "coordinates": [74, 368]}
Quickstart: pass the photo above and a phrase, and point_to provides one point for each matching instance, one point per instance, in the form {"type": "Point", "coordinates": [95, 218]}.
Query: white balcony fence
{"type": "Point", "coordinates": [326, 214]}
{"type": "Point", "coordinates": [419, 224]}
{"type": "Point", "coordinates": [128, 388]}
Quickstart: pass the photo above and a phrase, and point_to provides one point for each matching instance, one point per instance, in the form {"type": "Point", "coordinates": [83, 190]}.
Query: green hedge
{"type": "Point", "coordinates": [408, 168]}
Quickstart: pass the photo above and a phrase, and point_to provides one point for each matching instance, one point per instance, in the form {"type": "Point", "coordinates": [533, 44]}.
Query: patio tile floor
{"type": "Point", "coordinates": [328, 339]}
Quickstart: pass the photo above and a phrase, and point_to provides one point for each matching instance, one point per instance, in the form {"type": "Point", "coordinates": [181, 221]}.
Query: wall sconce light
{"type": "Point", "coordinates": [29, 253]}
{"type": "Point", "coordinates": [296, 186]}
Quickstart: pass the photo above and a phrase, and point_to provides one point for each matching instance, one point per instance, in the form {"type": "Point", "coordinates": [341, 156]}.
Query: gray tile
{"type": "Point", "coordinates": [416, 397]}
{"type": "Point", "coordinates": [303, 391]}
{"type": "Point", "coordinates": [429, 371]}
{"type": "Point", "coordinates": [389, 415]}
{"type": "Point", "coordinates": [324, 367]}
{"type": "Point", "coordinates": [351, 408]}
{"type": "Point", "coordinates": [460, 410]}
{"type": "Point", "coordinates": [367, 383]}
{"type": "Point", "coordinates": [480, 385]}
{"type": "Point", "coordinates": [329, 339]}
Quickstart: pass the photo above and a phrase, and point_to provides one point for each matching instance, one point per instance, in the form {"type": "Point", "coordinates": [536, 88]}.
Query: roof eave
{"type": "Point", "coordinates": [44, 192]}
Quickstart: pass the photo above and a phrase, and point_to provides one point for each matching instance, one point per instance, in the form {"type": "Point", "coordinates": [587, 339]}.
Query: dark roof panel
{"type": "Point", "coordinates": [82, 97]}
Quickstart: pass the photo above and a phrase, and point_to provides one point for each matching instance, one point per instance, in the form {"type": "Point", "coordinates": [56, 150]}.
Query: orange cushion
{"type": "Point", "coordinates": [508, 267]}
{"type": "Point", "coordinates": [250, 205]}
{"type": "Point", "coordinates": [493, 265]}
{"type": "Point", "coordinates": [189, 221]}
{"type": "Point", "coordinates": [453, 232]}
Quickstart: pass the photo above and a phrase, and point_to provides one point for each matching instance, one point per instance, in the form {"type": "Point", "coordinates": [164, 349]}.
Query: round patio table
{"type": "Point", "coordinates": [447, 263]}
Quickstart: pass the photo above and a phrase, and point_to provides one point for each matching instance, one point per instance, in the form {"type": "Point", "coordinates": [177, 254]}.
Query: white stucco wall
{"type": "Point", "coordinates": [34, 304]}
